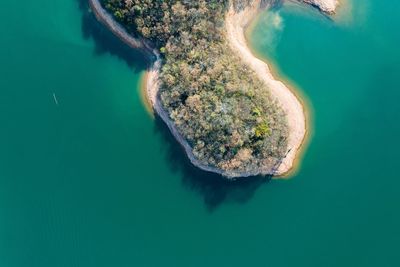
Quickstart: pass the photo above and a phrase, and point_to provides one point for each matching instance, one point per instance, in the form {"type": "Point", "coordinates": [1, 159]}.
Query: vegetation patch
{"type": "Point", "coordinates": [216, 102]}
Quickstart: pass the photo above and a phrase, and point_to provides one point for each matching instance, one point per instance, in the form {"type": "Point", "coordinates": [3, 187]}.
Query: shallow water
{"type": "Point", "coordinates": [94, 181]}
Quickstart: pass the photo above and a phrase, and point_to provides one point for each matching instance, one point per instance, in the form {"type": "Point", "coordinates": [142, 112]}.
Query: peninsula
{"type": "Point", "coordinates": [220, 102]}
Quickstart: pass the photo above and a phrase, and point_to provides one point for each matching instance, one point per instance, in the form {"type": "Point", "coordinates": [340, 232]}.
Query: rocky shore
{"type": "Point", "coordinates": [152, 81]}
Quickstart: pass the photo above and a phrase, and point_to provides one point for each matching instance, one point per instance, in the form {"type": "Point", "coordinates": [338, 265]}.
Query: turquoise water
{"type": "Point", "coordinates": [95, 181]}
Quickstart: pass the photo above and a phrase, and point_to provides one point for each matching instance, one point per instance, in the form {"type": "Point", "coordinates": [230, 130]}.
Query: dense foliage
{"type": "Point", "coordinates": [217, 103]}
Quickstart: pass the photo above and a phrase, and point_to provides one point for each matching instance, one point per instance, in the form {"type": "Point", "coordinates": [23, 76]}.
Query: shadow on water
{"type": "Point", "coordinates": [107, 43]}
{"type": "Point", "coordinates": [214, 189]}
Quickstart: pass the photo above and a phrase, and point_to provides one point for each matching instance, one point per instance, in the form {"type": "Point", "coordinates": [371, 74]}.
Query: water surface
{"type": "Point", "coordinates": [95, 181]}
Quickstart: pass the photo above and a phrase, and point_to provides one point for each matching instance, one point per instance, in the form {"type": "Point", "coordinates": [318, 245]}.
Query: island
{"type": "Point", "coordinates": [221, 103]}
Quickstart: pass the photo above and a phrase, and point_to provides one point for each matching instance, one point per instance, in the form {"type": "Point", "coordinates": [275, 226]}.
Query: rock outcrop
{"type": "Point", "coordinates": [327, 6]}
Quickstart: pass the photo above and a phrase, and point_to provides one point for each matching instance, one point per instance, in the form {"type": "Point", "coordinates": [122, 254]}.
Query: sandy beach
{"type": "Point", "coordinates": [236, 24]}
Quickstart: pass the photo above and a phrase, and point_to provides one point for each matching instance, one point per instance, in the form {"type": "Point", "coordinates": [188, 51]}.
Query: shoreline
{"type": "Point", "coordinates": [235, 26]}
{"type": "Point", "coordinates": [144, 96]}
{"type": "Point", "coordinates": [296, 90]}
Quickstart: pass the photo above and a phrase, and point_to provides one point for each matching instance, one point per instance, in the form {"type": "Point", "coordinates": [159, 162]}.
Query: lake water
{"type": "Point", "coordinates": [95, 181]}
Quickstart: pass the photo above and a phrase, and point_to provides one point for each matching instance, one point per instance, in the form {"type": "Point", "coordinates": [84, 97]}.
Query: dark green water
{"type": "Point", "coordinates": [94, 181]}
